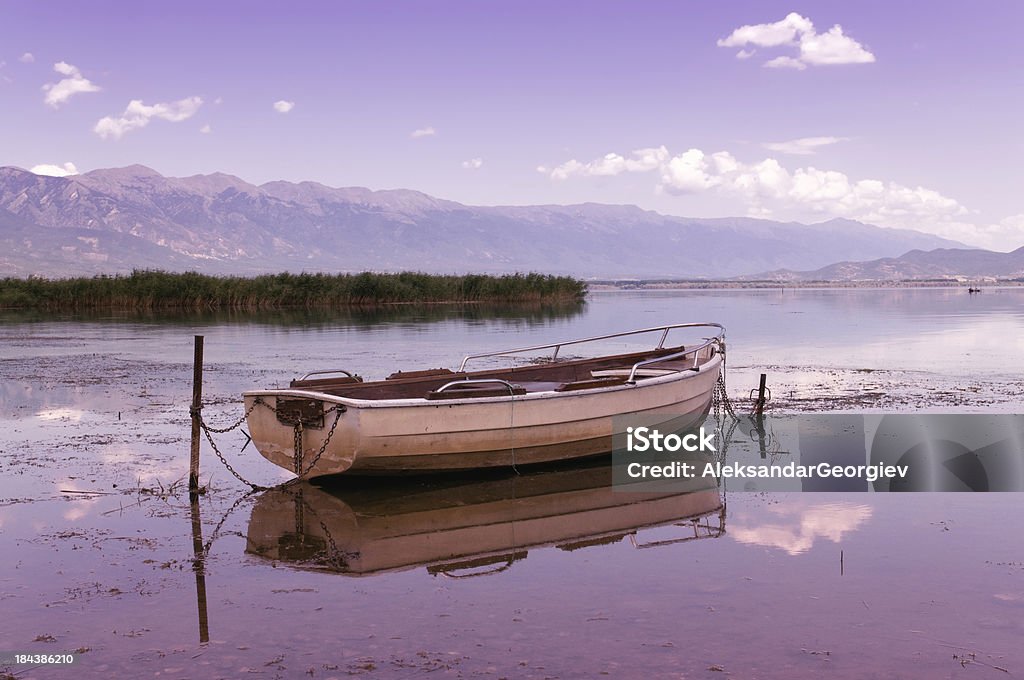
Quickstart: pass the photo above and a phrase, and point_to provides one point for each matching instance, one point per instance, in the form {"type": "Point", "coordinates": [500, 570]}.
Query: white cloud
{"type": "Point", "coordinates": [54, 170]}
{"type": "Point", "coordinates": [831, 47]}
{"type": "Point", "coordinates": [1006, 235]}
{"type": "Point", "coordinates": [785, 62]}
{"type": "Point", "coordinates": [783, 32]}
{"type": "Point", "coordinates": [641, 160]}
{"type": "Point", "coordinates": [473, 163]}
{"type": "Point", "coordinates": [73, 83]}
{"type": "Point", "coordinates": [27, 58]}
{"type": "Point", "coordinates": [564, 171]}
{"type": "Point", "coordinates": [423, 132]}
{"type": "Point", "coordinates": [647, 159]}
{"type": "Point", "coordinates": [687, 173]}
{"type": "Point", "coordinates": [759, 182]}
{"type": "Point", "coordinates": [767, 188]}
{"type": "Point", "coordinates": [805, 146]}
{"type": "Point", "coordinates": [283, 106]}
{"type": "Point", "coordinates": [611, 164]}
{"type": "Point", "coordinates": [137, 115]}
{"type": "Point", "coordinates": [206, 129]}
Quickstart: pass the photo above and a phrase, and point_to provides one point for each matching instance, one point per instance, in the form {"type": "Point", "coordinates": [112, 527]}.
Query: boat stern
{"type": "Point", "coordinates": [302, 432]}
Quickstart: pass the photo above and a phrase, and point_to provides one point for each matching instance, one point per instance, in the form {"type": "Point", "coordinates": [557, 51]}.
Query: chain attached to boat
{"type": "Point", "coordinates": [720, 399]}
{"type": "Point", "coordinates": [297, 447]}
{"type": "Point", "coordinates": [299, 452]}
{"type": "Point", "coordinates": [722, 407]}
{"type": "Point", "coordinates": [209, 431]}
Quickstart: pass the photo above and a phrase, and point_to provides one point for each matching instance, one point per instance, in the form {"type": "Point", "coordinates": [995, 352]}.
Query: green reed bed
{"type": "Point", "coordinates": [166, 290]}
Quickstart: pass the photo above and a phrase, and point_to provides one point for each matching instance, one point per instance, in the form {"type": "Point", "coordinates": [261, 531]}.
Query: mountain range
{"type": "Point", "coordinates": [116, 220]}
{"type": "Point", "coordinates": [941, 263]}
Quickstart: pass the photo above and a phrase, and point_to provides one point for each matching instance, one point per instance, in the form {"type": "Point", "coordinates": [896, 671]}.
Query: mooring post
{"type": "Point", "coordinates": [197, 405]}
{"type": "Point", "coordinates": [759, 416]}
{"type": "Point", "coordinates": [759, 404]}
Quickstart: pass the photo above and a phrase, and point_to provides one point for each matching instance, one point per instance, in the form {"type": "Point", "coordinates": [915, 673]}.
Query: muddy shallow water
{"type": "Point", "coordinates": [543, 576]}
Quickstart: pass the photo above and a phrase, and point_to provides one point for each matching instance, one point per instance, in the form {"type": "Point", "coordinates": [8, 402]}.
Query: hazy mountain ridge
{"type": "Point", "coordinates": [221, 223]}
{"type": "Point", "coordinates": [941, 263]}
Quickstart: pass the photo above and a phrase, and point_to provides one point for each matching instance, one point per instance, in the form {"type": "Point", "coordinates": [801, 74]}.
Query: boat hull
{"type": "Point", "coordinates": [413, 436]}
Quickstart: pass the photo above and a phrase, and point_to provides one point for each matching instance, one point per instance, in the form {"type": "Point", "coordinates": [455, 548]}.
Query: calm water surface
{"type": "Point", "coordinates": [547, 575]}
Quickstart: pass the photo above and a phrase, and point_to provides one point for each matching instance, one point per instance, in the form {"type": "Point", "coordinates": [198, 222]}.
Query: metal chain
{"type": "Point", "coordinates": [721, 402]}
{"type": "Point", "coordinates": [207, 430]}
{"type": "Point", "coordinates": [216, 530]}
{"type": "Point", "coordinates": [297, 446]}
{"type": "Point", "coordinates": [238, 423]}
{"type": "Point", "coordinates": [233, 471]}
{"type": "Point", "coordinates": [337, 410]}
{"type": "Point", "coordinates": [334, 556]}
{"type": "Point", "coordinates": [721, 398]}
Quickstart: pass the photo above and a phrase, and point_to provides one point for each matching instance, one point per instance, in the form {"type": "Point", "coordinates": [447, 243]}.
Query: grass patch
{"type": "Point", "coordinates": [147, 289]}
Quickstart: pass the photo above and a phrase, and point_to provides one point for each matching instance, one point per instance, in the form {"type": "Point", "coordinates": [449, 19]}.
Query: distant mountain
{"type": "Point", "coordinates": [118, 219]}
{"type": "Point", "coordinates": [942, 263]}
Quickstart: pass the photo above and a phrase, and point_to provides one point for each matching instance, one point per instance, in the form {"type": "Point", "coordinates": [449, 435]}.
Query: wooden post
{"type": "Point", "coordinates": [199, 567]}
{"type": "Point", "coordinates": [197, 405]}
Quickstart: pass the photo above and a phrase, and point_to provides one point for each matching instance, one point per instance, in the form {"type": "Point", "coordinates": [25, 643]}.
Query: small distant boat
{"type": "Point", "coordinates": [973, 290]}
{"type": "Point", "coordinates": [331, 422]}
{"type": "Point", "coordinates": [467, 527]}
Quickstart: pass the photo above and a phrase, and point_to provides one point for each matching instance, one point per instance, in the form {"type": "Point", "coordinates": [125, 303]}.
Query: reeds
{"type": "Point", "coordinates": [148, 289]}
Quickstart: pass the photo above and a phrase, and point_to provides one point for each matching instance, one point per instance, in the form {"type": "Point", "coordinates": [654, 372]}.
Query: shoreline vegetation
{"type": "Point", "coordinates": [149, 289]}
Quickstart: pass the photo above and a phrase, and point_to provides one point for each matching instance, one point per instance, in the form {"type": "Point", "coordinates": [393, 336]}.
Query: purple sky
{"type": "Point", "coordinates": [908, 115]}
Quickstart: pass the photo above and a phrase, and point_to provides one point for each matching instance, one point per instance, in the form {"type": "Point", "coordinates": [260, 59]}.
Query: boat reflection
{"type": "Point", "coordinates": [471, 526]}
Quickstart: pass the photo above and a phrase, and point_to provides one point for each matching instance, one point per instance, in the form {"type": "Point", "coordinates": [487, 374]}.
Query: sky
{"type": "Point", "coordinates": [901, 114]}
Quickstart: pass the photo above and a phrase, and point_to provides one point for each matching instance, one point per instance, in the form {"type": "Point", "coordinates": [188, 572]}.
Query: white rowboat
{"type": "Point", "coordinates": [441, 420]}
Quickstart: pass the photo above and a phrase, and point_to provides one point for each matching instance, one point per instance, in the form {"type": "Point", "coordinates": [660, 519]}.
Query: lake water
{"type": "Point", "coordinates": [547, 575]}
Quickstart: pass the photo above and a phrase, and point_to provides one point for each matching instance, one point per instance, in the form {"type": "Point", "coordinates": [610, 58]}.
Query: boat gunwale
{"type": "Point", "coordinates": [682, 374]}
{"type": "Point", "coordinates": [665, 329]}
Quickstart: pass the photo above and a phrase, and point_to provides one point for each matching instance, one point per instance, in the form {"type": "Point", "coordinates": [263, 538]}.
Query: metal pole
{"type": "Point", "coordinates": [197, 405]}
{"type": "Point", "coordinates": [759, 404]}
{"type": "Point", "coordinates": [759, 416]}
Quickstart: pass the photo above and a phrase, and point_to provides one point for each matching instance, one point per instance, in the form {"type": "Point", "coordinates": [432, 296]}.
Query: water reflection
{"type": "Point", "coordinates": [531, 312]}
{"type": "Point", "coordinates": [795, 526]}
{"type": "Point", "coordinates": [470, 526]}
{"type": "Point", "coordinates": [568, 613]}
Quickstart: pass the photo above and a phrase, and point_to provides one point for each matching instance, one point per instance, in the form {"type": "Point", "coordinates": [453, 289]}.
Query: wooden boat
{"type": "Point", "coordinates": [461, 527]}
{"type": "Point", "coordinates": [329, 422]}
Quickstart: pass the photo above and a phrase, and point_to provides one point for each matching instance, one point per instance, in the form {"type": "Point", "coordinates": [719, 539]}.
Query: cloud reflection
{"type": "Point", "coordinates": [61, 414]}
{"type": "Point", "coordinates": [799, 524]}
